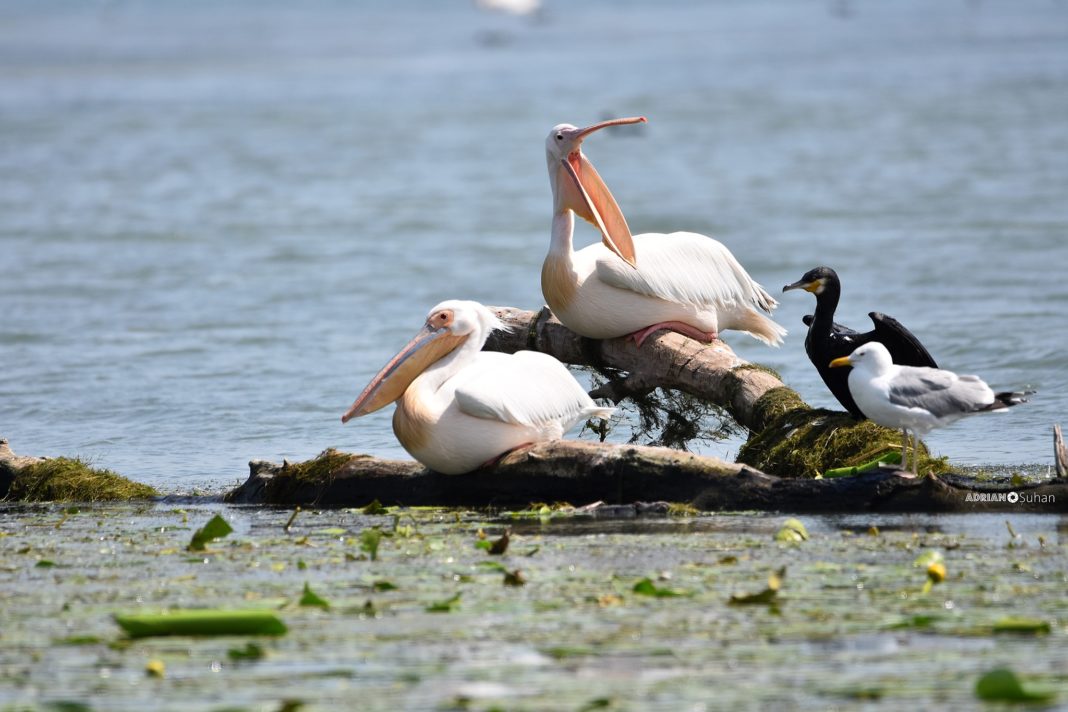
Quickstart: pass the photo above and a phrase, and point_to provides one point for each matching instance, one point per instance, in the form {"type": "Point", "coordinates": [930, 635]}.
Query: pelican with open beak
{"type": "Point", "coordinates": [638, 284]}
{"type": "Point", "coordinates": [459, 407]}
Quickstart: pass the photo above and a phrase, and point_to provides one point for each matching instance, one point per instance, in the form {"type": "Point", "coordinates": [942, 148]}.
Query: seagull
{"type": "Point", "coordinates": [458, 407]}
{"type": "Point", "coordinates": [637, 285]}
{"type": "Point", "coordinates": [827, 340]}
{"type": "Point", "coordinates": [914, 398]}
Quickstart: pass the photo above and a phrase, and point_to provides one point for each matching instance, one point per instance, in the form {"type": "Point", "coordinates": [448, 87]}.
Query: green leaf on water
{"type": "Point", "coordinates": [917, 621]}
{"type": "Point", "coordinates": [251, 651]}
{"type": "Point", "coordinates": [1019, 624]}
{"type": "Point", "coordinates": [493, 566]}
{"type": "Point", "coordinates": [384, 586]}
{"type": "Point", "coordinates": [375, 507]}
{"type": "Point", "coordinates": [792, 532]}
{"type": "Point", "coordinates": [369, 541]}
{"type": "Point", "coordinates": [201, 622]}
{"type": "Point", "coordinates": [768, 595]}
{"type": "Point", "coordinates": [646, 587]}
{"type": "Point", "coordinates": [216, 528]}
{"type": "Point", "coordinates": [44, 564]}
{"type": "Point", "coordinates": [1002, 684]}
{"type": "Point", "coordinates": [310, 598]}
{"type": "Point", "coordinates": [446, 606]}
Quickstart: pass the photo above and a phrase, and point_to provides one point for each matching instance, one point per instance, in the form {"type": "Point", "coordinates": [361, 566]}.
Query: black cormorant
{"type": "Point", "coordinates": [827, 340]}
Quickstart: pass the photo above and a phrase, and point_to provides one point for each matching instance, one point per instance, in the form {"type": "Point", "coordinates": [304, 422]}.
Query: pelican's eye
{"type": "Point", "coordinates": [559, 137]}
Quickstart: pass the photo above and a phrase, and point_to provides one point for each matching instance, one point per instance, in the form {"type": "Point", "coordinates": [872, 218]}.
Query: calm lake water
{"type": "Point", "coordinates": [218, 221]}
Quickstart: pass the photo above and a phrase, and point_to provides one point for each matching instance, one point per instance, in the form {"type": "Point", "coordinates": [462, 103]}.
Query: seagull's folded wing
{"type": "Point", "coordinates": [941, 393]}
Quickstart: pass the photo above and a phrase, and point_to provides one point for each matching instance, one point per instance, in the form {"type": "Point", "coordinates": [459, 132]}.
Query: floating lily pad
{"type": "Point", "coordinates": [646, 587]}
{"type": "Point", "coordinates": [311, 598]}
{"type": "Point", "coordinates": [792, 531]}
{"type": "Point", "coordinates": [1019, 624]}
{"type": "Point", "coordinates": [201, 622]}
{"type": "Point", "coordinates": [446, 606]}
{"type": "Point", "coordinates": [1002, 684]}
{"type": "Point", "coordinates": [216, 528]}
{"type": "Point", "coordinates": [768, 595]}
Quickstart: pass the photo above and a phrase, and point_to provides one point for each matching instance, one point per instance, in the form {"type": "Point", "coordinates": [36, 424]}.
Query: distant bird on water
{"type": "Point", "coordinates": [919, 399]}
{"type": "Point", "coordinates": [459, 407]}
{"type": "Point", "coordinates": [637, 285]}
{"type": "Point", "coordinates": [827, 340]}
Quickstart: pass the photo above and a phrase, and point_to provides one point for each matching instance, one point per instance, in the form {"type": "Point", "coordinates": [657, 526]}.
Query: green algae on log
{"type": "Point", "coordinates": [581, 472]}
{"type": "Point", "coordinates": [787, 437]}
{"type": "Point", "coordinates": [62, 479]}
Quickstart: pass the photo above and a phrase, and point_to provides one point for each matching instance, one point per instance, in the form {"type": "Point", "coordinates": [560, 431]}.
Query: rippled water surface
{"type": "Point", "coordinates": [216, 222]}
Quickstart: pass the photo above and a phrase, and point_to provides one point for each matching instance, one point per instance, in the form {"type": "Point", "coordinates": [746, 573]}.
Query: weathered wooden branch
{"type": "Point", "coordinates": [711, 372]}
{"type": "Point", "coordinates": [583, 472]}
{"type": "Point", "coordinates": [787, 437]}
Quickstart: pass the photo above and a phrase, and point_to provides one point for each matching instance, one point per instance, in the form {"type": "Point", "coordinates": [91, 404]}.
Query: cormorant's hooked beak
{"type": "Point", "coordinates": [807, 285]}
{"type": "Point", "coordinates": [587, 195]}
{"type": "Point", "coordinates": [389, 384]}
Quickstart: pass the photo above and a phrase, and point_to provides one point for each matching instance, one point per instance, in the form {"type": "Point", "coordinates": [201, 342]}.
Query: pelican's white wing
{"type": "Point", "coordinates": [686, 268]}
{"type": "Point", "coordinates": [524, 388]}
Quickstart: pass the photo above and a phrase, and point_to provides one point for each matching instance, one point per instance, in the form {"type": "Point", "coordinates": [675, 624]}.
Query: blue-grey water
{"type": "Point", "coordinates": [218, 220]}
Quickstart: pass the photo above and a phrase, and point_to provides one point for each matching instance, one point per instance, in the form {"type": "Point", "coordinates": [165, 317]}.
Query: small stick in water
{"type": "Point", "coordinates": [293, 516]}
{"type": "Point", "coordinates": [1060, 452]}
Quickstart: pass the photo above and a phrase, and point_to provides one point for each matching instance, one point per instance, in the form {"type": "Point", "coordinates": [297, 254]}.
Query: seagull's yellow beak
{"type": "Point", "coordinates": [841, 361]}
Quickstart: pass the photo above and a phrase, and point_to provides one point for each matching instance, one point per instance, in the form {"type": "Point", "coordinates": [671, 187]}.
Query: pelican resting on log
{"type": "Point", "coordinates": [828, 340]}
{"type": "Point", "coordinates": [913, 398]}
{"type": "Point", "coordinates": [458, 407]}
{"type": "Point", "coordinates": [638, 284]}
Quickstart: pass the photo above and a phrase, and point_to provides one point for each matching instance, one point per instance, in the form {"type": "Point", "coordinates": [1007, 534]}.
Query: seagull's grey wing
{"type": "Point", "coordinates": [941, 393]}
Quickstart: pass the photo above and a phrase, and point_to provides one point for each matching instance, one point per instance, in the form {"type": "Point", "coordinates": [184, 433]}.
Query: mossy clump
{"type": "Point", "coordinates": [775, 404]}
{"type": "Point", "coordinates": [65, 479]}
{"type": "Point", "coordinates": [807, 442]}
{"type": "Point", "coordinates": [317, 472]}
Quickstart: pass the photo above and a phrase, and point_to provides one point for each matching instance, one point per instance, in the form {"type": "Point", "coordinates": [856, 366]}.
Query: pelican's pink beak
{"type": "Point", "coordinates": [587, 195]}
{"type": "Point", "coordinates": [389, 384]}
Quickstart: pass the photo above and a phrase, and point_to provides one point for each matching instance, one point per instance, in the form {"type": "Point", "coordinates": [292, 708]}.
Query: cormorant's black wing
{"type": "Point", "coordinates": [904, 347]}
{"type": "Point", "coordinates": [836, 328]}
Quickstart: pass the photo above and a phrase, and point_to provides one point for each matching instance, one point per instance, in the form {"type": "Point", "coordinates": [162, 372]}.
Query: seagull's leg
{"type": "Point", "coordinates": [904, 449]}
{"type": "Point", "coordinates": [685, 329]}
{"type": "Point", "coordinates": [915, 452]}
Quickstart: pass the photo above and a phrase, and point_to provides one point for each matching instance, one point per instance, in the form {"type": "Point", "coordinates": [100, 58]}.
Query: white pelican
{"type": "Point", "coordinates": [638, 284]}
{"type": "Point", "coordinates": [916, 398]}
{"type": "Point", "coordinates": [459, 407]}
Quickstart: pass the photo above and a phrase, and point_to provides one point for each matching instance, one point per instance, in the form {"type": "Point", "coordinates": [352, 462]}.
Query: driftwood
{"type": "Point", "coordinates": [711, 372]}
{"type": "Point", "coordinates": [583, 472]}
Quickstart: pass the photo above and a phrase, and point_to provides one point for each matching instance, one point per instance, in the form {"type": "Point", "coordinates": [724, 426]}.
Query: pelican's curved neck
{"type": "Point", "coordinates": [449, 365]}
{"type": "Point", "coordinates": [563, 230]}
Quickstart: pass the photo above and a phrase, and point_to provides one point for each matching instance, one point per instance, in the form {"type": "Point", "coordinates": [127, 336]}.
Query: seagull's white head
{"type": "Point", "coordinates": [872, 357]}
{"type": "Point", "coordinates": [577, 186]}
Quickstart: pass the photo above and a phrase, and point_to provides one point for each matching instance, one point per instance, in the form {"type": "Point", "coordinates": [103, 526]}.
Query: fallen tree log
{"type": "Point", "coordinates": [787, 437]}
{"type": "Point", "coordinates": [581, 472]}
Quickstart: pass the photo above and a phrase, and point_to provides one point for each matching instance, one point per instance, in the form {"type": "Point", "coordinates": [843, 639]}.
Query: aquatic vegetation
{"type": "Point", "coordinates": [65, 479]}
{"type": "Point", "coordinates": [201, 622]}
{"type": "Point", "coordinates": [311, 598]}
{"type": "Point", "coordinates": [1003, 685]}
{"type": "Point", "coordinates": [805, 442]}
{"type": "Point", "coordinates": [216, 528]}
{"type": "Point", "coordinates": [792, 532]}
